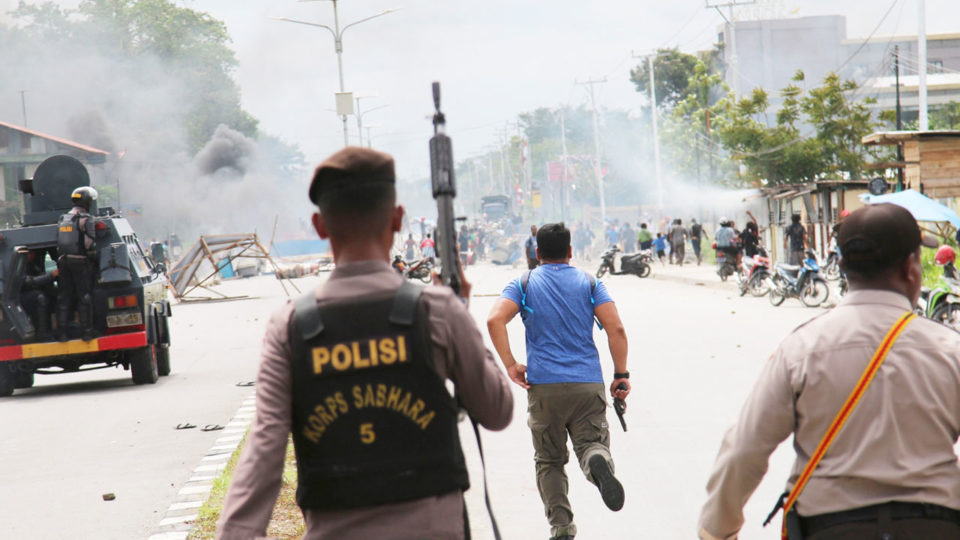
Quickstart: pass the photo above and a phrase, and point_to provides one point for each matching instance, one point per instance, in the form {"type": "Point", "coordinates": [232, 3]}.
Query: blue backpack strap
{"type": "Point", "coordinates": [594, 282]}
{"type": "Point", "coordinates": [524, 280]}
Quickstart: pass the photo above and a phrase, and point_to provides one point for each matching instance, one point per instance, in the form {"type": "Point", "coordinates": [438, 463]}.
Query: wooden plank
{"type": "Point", "coordinates": [911, 151]}
{"type": "Point", "coordinates": [947, 143]}
{"type": "Point", "coordinates": [941, 182]}
{"type": "Point", "coordinates": [942, 193]}
{"type": "Point", "coordinates": [938, 155]}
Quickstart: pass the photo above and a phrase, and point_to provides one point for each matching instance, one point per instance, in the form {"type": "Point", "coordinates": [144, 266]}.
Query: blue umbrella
{"type": "Point", "coordinates": [922, 207]}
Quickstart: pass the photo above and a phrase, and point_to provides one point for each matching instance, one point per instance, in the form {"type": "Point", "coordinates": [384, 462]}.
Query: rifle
{"type": "Point", "coordinates": [620, 407]}
{"type": "Point", "coordinates": [444, 191]}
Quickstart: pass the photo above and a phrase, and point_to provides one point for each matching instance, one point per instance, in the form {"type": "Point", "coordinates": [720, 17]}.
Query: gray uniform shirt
{"type": "Point", "coordinates": [897, 445]}
{"type": "Point", "coordinates": [458, 354]}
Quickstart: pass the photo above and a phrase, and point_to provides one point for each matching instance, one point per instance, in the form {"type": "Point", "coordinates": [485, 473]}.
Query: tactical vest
{"type": "Point", "coordinates": [69, 236]}
{"type": "Point", "coordinates": [373, 422]}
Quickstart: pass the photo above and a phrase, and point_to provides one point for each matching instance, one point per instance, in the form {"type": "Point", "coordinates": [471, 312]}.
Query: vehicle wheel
{"type": "Point", "coordinates": [723, 273]}
{"type": "Point", "coordinates": [832, 270]}
{"type": "Point", "coordinates": [601, 271]}
{"type": "Point", "coordinates": [644, 270]}
{"type": "Point", "coordinates": [7, 379]}
{"type": "Point", "coordinates": [163, 360]}
{"type": "Point", "coordinates": [776, 294]}
{"type": "Point", "coordinates": [815, 292]}
{"type": "Point", "coordinates": [948, 314]}
{"type": "Point", "coordinates": [23, 379]}
{"type": "Point", "coordinates": [426, 277]}
{"type": "Point", "coordinates": [759, 284]}
{"type": "Point", "coordinates": [143, 365]}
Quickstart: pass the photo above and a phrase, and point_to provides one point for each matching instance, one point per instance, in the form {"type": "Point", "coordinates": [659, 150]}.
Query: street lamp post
{"type": "Point", "coordinates": [360, 118]}
{"type": "Point", "coordinates": [337, 33]}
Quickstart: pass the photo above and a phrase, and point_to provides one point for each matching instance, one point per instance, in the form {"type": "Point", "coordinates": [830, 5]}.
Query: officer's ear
{"type": "Point", "coordinates": [396, 220]}
{"type": "Point", "coordinates": [320, 226]}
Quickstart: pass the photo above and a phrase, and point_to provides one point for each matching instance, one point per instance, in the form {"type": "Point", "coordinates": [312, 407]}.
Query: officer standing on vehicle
{"type": "Point", "coordinates": [558, 304]}
{"type": "Point", "coordinates": [356, 371]}
{"type": "Point", "coordinates": [891, 471]}
{"type": "Point", "coordinates": [75, 240]}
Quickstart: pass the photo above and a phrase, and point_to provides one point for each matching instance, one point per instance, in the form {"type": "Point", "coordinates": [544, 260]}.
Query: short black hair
{"type": "Point", "coordinates": [357, 209]}
{"type": "Point", "coordinates": [795, 218]}
{"type": "Point", "coordinates": [553, 241]}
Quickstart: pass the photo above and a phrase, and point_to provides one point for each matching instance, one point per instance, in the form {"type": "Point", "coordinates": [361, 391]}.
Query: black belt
{"type": "Point", "coordinates": [898, 510]}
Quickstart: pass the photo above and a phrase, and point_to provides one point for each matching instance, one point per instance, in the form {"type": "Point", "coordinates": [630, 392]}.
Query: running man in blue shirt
{"type": "Point", "coordinates": [563, 378]}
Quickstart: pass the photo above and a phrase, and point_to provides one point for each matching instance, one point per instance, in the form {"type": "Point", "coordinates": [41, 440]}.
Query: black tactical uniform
{"type": "Point", "coordinates": [38, 292]}
{"type": "Point", "coordinates": [75, 241]}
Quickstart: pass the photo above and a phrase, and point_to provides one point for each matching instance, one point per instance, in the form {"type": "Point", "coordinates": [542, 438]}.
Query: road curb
{"type": "Point", "coordinates": [695, 281]}
{"type": "Point", "coordinates": [178, 520]}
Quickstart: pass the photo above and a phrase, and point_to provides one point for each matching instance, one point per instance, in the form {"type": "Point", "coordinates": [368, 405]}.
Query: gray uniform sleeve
{"type": "Point", "coordinates": [257, 478]}
{"type": "Point", "coordinates": [482, 388]}
{"type": "Point", "coordinates": [766, 420]}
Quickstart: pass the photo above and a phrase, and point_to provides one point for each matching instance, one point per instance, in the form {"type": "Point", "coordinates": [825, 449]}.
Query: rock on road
{"type": "Point", "coordinates": [694, 354]}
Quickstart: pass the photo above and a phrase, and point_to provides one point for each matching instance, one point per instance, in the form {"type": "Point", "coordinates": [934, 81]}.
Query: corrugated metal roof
{"type": "Point", "coordinates": [65, 142]}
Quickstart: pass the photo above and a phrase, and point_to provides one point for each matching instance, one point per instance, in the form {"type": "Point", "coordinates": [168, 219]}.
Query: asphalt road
{"type": "Point", "coordinates": [694, 354]}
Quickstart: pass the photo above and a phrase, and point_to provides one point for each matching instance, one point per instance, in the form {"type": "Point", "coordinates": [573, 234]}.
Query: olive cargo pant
{"type": "Point", "coordinates": [555, 410]}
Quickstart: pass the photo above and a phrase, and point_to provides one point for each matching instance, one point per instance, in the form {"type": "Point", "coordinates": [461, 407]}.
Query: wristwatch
{"type": "Point", "coordinates": [624, 375]}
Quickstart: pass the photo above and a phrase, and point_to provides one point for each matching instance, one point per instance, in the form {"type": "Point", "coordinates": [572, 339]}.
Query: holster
{"type": "Point", "coordinates": [794, 528]}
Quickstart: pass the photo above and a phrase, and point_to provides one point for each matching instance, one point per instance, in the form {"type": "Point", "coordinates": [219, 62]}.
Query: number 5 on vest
{"type": "Point", "coordinates": [367, 436]}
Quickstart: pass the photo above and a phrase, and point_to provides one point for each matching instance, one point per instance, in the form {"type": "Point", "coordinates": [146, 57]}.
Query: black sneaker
{"type": "Point", "coordinates": [610, 488]}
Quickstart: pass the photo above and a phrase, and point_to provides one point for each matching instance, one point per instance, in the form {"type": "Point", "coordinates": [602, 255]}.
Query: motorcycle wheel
{"type": "Point", "coordinates": [724, 273]}
{"type": "Point", "coordinates": [601, 271]}
{"type": "Point", "coordinates": [948, 314]}
{"type": "Point", "coordinates": [815, 292]}
{"type": "Point", "coordinates": [832, 270]}
{"type": "Point", "coordinates": [759, 284]}
{"type": "Point", "coordinates": [743, 285]}
{"type": "Point", "coordinates": [644, 270]}
{"type": "Point", "coordinates": [776, 295]}
{"type": "Point", "coordinates": [426, 277]}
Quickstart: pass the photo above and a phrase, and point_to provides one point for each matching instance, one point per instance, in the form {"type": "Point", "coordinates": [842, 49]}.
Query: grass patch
{"type": "Point", "coordinates": [286, 521]}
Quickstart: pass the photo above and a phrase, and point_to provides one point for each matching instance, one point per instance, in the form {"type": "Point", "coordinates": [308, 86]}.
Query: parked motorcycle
{"type": "Point", "coordinates": [755, 276]}
{"type": "Point", "coordinates": [420, 270]}
{"type": "Point", "coordinates": [637, 264]}
{"type": "Point", "coordinates": [803, 282]}
{"type": "Point", "coordinates": [942, 304]}
{"type": "Point", "coordinates": [831, 268]}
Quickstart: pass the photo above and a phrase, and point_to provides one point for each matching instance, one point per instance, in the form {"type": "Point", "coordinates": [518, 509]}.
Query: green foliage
{"type": "Point", "coordinates": [672, 70]}
{"type": "Point", "coordinates": [945, 116]}
{"type": "Point", "coordinates": [779, 152]}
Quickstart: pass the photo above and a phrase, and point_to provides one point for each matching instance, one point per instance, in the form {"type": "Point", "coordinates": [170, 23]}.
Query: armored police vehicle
{"type": "Point", "coordinates": [129, 299]}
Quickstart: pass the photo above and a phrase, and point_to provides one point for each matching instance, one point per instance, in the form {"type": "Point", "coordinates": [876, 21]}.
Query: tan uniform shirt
{"type": "Point", "coordinates": [897, 445]}
{"type": "Point", "coordinates": [458, 354]}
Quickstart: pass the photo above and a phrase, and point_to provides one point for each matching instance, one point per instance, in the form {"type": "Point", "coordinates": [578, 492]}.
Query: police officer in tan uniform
{"type": "Point", "coordinates": [356, 371]}
{"type": "Point", "coordinates": [891, 472]}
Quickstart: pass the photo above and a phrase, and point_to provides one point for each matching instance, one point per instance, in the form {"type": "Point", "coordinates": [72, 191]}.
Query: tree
{"type": "Point", "coordinates": [672, 71]}
{"type": "Point", "coordinates": [945, 116]}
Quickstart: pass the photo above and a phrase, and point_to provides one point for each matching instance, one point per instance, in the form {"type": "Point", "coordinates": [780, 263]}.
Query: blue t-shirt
{"type": "Point", "coordinates": [531, 247]}
{"type": "Point", "coordinates": [559, 331]}
{"type": "Point", "coordinates": [660, 243]}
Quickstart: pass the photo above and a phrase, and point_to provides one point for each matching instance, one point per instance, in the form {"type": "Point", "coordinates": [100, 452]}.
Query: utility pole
{"type": "Point", "coordinates": [922, 60]}
{"type": "Point", "coordinates": [23, 106]}
{"type": "Point", "coordinates": [589, 83]}
{"type": "Point", "coordinates": [563, 177]}
{"type": "Point", "coordinates": [653, 122]}
{"type": "Point", "coordinates": [730, 43]}
{"type": "Point", "coordinates": [896, 71]}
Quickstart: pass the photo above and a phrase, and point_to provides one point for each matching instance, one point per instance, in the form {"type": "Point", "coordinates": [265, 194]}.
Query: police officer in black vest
{"type": "Point", "coordinates": [75, 240]}
{"type": "Point", "coordinates": [357, 372]}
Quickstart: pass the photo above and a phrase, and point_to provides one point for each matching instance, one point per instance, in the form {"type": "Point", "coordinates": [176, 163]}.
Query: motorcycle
{"type": "Point", "coordinates": [637, 264]}
{"type": "Point", "coordinates": [831, 269]}
{"type": "Point", "coordinates": [755, 276]}
{"type": "Point", "coordinates": [421, 270]}
{"type": "Point", "coordinates": [942, 304]}
{"type": "Point", "coordinates": [726, 264]}
{"type": "Point", "coordinates": [803, 282]}
{"type": "Point", "coordinates": [399, 264]}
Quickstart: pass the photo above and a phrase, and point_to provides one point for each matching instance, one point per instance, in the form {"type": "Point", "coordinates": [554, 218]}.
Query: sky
{"type": "Point", "coordinates": [494, 59]}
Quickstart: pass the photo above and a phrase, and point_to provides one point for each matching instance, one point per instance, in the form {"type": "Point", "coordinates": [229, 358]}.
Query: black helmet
{"type": "Point", "coordinates": [83, 197]}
